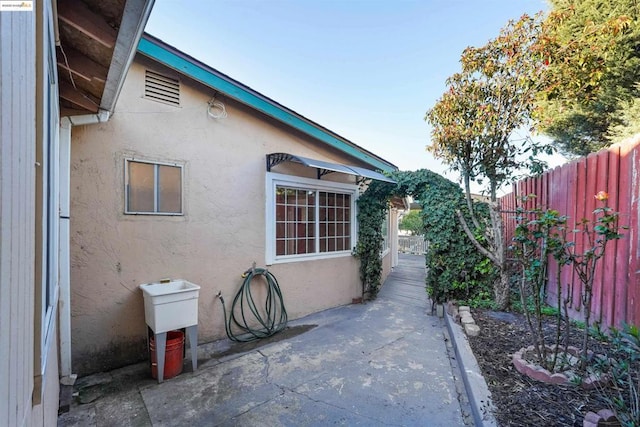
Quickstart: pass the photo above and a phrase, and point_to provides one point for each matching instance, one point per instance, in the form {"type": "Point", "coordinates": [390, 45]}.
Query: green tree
{"type": "Point", "coordinates": [591, 49]}
{"type": "Point", "coordinates": [629, 122]}
{"type": "Point", "coordinates": [473, 123]}
{"type": "Point", "coordinates": [412, 222]}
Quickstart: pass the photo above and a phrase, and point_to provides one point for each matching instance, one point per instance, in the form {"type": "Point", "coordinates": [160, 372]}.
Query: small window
{"type": "Point", "coordinates": [153, 188]}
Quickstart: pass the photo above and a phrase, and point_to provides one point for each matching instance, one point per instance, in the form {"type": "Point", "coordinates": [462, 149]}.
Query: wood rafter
{"type": "Point", "coordinates": [80, 17]}
{"type": "Point", "coordinates": [81, 66]}
{"type": "Point", "coordinates": [78, 97]}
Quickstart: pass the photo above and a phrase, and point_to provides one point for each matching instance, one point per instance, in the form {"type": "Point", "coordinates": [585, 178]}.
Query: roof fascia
{"type": "Point", "coordinates": [207, 76]}
{"type": "Point", "coordinates": [134, 18]}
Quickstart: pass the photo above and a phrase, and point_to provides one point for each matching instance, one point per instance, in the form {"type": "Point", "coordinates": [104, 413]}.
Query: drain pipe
{"type": "Point", "coordinates": [64, 300]}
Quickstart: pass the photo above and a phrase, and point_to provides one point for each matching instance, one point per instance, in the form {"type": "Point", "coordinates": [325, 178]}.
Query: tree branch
{"type": "Point", "coordinates": [484, 251]}
{"type": "Point", "coordinates": [467, 195]}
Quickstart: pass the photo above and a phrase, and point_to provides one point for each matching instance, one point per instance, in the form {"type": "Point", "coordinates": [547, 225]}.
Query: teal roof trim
{"type": "Point", "coordinates": [247, 96]}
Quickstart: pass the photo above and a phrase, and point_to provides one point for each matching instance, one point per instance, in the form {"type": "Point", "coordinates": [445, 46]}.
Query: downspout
{"type": "Point", "coordinates": [136, 14]}
{"type": "Point", "coordinates": [64, 300]}
{"type": "Point", "coordinates": [64, 254]}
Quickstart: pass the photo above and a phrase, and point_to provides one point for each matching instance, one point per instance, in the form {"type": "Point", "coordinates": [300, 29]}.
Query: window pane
{"type": "Point", "coordinates": [140, 187]}
{"type": "Point", "coordinates": [170, 189]}
{"type": "Point", "coordinates": [331, 199]}
{"type": "Point", "coordinates": [291, 246]}
{"type": "Point", "coordinates": [296, 222]}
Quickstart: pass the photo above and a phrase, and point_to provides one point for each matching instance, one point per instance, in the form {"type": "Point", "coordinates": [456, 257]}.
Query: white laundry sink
{"type": "Point", "coordinates": [171, 305]}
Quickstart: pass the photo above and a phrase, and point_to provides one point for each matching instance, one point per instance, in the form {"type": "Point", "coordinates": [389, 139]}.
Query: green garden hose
{"type": "Point", "coordinates": [271, 320]}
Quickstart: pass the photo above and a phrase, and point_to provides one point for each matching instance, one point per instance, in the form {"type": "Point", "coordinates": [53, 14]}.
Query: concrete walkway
{"type": "Point", "coordinates": [384, 363]}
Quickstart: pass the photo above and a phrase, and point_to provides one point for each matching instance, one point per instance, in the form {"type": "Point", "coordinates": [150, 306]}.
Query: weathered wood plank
{"type": "Point", "coordinates": [80, 17]}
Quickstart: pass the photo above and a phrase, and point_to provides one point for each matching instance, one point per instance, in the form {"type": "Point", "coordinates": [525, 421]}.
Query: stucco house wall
{"type": "Point", "coordinates": [220, 234]}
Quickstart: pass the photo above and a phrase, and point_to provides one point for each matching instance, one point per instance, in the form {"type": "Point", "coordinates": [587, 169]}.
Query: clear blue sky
{"type": "Point", "coordinates": [367, 69]}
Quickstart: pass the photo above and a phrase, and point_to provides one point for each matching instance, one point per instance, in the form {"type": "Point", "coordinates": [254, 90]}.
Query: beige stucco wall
{"type": "Point", "coordinates": [220, 235]}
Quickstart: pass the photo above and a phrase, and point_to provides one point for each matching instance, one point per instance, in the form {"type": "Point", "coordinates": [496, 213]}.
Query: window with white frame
{"type": "Point", "coordinates": [153, 188]}
{"type": "Point", "coordinates": [385, 234]}
{"type": "Point", "coordinates": [308, 218]}
{"type": "Point", "coordinates": [50, 191]}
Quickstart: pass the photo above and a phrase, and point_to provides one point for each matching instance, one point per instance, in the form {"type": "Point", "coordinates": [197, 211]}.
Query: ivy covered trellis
{"type": "Point", "coordinates": [455, 268]}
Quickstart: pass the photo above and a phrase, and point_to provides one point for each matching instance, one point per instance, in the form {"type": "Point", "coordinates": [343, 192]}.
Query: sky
{"type": "Point", "coordinates": [368, 70]}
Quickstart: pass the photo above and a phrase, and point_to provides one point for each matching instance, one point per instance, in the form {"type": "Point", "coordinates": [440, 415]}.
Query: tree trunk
{"type": "Point", "coordinates": [467, 195]}
{"type": "Point", "coordinates": [501, 291]}
{"type": "Point", "coordinates": [501, 287]}
{"type": "Point", "coordinates": [496, 251]}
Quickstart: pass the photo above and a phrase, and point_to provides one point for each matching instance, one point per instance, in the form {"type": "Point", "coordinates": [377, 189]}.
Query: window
{"type": "Point", "coordinates": [385, 235]}
{"type": "Point", "coordinates": [153, 188]}
{"type": "Point", "coordinates": [49, 187]}
{"type": "Point", "coordinates": [308, 219]}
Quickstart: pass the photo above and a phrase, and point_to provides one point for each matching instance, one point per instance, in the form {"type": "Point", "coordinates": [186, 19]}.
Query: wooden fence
{"type": "Point", "coordinates": [570, 189]}
{"type": "Point", "coordinates": [412, 244]}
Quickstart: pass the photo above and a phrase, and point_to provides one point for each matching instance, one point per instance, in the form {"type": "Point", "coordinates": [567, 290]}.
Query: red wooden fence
{"type": "Point", "coordinates": [570, 189]}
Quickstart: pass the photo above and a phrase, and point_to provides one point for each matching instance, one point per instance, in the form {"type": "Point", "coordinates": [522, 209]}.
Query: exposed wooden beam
{"type": "Point", "coordinates": [78, 97]}
{"type": "Point", "coordinates": [81, 66]}
{"type": "Point", "coordinates": [80, 17]}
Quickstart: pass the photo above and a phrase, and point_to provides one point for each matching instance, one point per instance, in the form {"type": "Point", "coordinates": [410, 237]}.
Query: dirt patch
{"type": "Point", "coordinates": [518, 399]}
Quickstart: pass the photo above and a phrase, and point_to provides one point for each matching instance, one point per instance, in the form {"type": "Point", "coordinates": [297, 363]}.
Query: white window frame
{"type": "Point", "coordinates": [50, 206]}
{"type": "Point", "coordinates": [155, 201]}
{"type": "Point", "coordinates": [386, 237]}
{"type": "Point", "coordinates": [273, 180]}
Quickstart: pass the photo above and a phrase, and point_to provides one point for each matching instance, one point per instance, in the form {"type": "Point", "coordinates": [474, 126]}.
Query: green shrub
{"type": "Point", "coordinates": [455, 269]}
{"type": "Point", "coordinates": [623, 367]}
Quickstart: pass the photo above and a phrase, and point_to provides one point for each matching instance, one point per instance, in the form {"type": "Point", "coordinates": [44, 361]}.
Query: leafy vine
{"type": "Point", "coordinates": [455, 268]}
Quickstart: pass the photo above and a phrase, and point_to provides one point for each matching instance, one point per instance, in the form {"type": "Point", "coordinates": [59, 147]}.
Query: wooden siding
{"type": "Point", "coordinates": [570, 189]}
{"type": "Point", "coordinates": [17, 215]}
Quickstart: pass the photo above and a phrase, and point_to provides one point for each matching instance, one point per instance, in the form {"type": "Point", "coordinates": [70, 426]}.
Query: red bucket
{"type": "Point", "coordinates": [173, 355]}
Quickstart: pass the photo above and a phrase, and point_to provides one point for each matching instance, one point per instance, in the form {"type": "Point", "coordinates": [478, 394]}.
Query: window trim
{"type": "Point", "coordinates": [275, 179]}
{"type": "Point", "coordinates": [51, 226]}
{"type": "Point", "coordinates": [386, 237]}
{"type": "Point", "coordinates": [155, 177]}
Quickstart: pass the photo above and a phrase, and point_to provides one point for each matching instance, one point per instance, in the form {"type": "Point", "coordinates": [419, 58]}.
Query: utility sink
{"type": "Point", "coordinates": [171, 305]}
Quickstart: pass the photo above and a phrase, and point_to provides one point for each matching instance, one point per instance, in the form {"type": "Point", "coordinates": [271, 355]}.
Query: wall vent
{"type": "Point", "coordinates": [162, 88]}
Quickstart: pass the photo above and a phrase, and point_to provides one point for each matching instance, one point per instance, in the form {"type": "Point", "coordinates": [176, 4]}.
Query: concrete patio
{"type": "Point", "coordinates": [383, 363]}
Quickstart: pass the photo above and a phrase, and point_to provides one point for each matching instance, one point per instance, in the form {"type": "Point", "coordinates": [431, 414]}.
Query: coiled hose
{"type": "Point", "coordinates": [273, 317]}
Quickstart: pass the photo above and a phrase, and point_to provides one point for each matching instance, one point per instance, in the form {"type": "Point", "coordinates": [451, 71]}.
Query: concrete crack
{"type": "Point", "coordinates": [267, 366]}
{"type": "Point", "coordinates": [389, 343]}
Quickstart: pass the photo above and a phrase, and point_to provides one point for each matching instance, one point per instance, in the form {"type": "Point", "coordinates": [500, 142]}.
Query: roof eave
{"type": "Point", "coordinates": [135, 17]}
